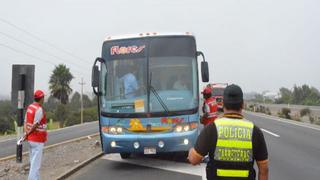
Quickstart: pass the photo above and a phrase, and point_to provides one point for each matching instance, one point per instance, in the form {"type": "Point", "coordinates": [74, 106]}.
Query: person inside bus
{"type": "Point", "coordinates": [130, 83]}
{"type": "Point", "coordinates": [181, 83]}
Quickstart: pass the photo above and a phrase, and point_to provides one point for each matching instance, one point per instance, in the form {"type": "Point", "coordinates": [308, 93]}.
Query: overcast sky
{"type": "Point", "coordinates": [258, 44]}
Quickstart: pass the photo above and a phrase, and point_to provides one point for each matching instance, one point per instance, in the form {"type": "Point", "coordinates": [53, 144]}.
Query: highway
{"type": "Point", "coordinates": [294, 153]}
{"type": "Point", "coordinates": [8, 147]}
{"type": "Point", "coordinates": [294, 148]}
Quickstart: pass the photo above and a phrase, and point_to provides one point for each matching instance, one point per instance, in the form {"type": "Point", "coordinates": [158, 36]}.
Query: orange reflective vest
{"type": "Point", "coordinates": [211, 108]}
{"type": "Point", "coordinates": [40, 133]}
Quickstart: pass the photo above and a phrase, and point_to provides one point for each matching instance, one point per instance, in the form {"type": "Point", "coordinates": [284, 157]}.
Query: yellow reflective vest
{"type": "Point", "coordinates": [233, 155]}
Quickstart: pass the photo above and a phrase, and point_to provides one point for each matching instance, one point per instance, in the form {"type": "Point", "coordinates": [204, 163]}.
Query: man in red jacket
{"type": "Point", "coordinates": [35, 133]}
{"type": "Point", "coordinates": [210, 107]}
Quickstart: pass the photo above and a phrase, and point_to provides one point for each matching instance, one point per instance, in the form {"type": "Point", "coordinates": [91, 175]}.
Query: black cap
{"type": "Point", "coordinates": [233, 94]}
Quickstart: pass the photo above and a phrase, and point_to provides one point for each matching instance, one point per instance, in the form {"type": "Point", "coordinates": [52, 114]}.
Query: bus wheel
{"type": "Point", "coordinates": [125, 155]}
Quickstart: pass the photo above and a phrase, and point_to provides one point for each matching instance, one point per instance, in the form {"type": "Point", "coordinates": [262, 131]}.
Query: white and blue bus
{"type": "Point", "coordinates": [148, 93]}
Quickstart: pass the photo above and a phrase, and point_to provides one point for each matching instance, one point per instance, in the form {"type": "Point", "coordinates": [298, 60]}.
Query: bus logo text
{"type": "Point", "coordinates": [120, 50]}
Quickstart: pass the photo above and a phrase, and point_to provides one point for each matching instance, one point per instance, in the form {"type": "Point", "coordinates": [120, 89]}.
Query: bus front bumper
{"type": "Point", "coordinates": [141, 143]}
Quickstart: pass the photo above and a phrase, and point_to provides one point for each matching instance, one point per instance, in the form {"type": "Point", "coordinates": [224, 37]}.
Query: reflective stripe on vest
{"type": "Point", "coordinates": [234, 144]}
{"type": "Point", "coordinates": [232, 173]}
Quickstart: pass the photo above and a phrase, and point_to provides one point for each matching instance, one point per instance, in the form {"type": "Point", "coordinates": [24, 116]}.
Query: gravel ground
{"type": "Point", "coordinates": [55, 161]}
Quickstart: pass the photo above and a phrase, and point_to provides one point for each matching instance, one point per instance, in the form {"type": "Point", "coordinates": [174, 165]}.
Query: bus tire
{"type": "Point", "coordinates": [125, 155]}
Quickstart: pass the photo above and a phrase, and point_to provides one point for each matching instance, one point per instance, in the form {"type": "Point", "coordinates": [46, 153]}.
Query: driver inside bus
{"type": "Point", "coordinates": [181, 83]}
{"type": "Point", "coordinates": [130, 83]}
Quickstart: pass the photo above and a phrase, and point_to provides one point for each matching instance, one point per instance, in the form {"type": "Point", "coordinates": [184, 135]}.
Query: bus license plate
{"type": "Point", "coordinates": [148, 150]}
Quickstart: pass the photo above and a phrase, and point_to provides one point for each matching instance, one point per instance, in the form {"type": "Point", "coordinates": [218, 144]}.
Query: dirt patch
{"type": "Point", "coordinates": [55, 161]}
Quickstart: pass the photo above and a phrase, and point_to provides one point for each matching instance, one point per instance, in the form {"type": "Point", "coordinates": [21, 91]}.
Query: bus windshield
{"type": "Point", "coordinates": [160, 77]}
{"type": "Point", "coordinates": [217, 91]}
{"type": "Point", "coordinates": [174, 78]}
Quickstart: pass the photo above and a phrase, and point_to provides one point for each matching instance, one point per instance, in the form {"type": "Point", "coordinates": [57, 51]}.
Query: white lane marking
{"type": "Point", "coordinates": [283, 120]}
{"type": "Point", "coordinates": [269, 132]}
{"type": "Point", "coordinates": [199, 170]}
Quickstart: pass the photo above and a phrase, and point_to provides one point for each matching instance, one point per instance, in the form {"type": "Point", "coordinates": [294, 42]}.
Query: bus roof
{"type": "Point", "coordinates": [151, 34]}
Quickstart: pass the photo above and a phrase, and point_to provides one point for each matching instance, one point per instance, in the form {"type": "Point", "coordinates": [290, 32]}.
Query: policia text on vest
{"type": "Point", "coordinates": [234, 140]}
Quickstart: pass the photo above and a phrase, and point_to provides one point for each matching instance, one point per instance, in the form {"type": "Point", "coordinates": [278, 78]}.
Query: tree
{"type": "Point", "coordinates": [51, 103]}
{"type": "Point", "coordinates": [6, 117]}
{"type": "Point", "coordinates": [86, 101]}
{"type": "Point", "coordinates": [285, 96]}
{"type": "Point", "coordinates": [61, 114]}
{"type": "Point", "coordinates": [75, 102]}
{"type": "Point", "coordinates": [303, 95]}
{"type": "Point", "coordinates": [59, 83]}
{"type": "Point", "coordinates": [94, 100]}
{"type": "Point", "coordinates": [313, 98]}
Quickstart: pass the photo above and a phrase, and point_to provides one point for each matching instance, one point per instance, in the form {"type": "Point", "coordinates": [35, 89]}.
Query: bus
{"type": "Point", "coordinates": [148, 93]}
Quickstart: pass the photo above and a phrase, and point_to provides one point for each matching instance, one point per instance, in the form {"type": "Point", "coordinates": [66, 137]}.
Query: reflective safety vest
{"type": "Point", "coordinates": [233, 156]}
{"type": "Point", "coordinates": [40, 133]}
{"type": "Point", "coordinates": [211, 107]}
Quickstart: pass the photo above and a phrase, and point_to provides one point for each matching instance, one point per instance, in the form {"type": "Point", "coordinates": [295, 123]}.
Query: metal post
{"type": "Point", "coordinates": [81, 99]}
{"type": "Point", "coordinates": [20, 118]}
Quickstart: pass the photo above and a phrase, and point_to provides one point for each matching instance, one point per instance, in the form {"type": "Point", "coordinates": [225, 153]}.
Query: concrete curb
{"type": "Point", "coordinates": [52, 146]}
{"type": "Point", "coordinates": [75, 169]}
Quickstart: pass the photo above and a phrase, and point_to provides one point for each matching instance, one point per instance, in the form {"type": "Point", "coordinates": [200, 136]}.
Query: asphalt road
{"type": "Point", "coordinates": [294, 148]}
{"type": "Point", "coordinates": [294, 153]}
{"type": "Point", "coordinates": [112, 167]}
{"type": "Point", "coordinates": [8, 147]}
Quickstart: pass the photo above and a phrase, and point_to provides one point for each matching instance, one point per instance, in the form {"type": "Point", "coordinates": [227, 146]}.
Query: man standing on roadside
{"type": "Point", "coordinates": [233, 143]}
{"type": "Point", "coordinates": [210, 107]}
{"type": "Point", "coordinates": [35, 133]}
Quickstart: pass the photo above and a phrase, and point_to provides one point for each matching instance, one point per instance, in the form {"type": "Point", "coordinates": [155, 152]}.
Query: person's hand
{"type": "Point", "coordinates": [23, 138]}
{"type": "Point", "coordinates": [20, 141]}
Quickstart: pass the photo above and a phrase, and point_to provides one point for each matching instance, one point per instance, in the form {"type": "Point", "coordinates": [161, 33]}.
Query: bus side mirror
{"type": "Point", "coordinates": [204, 68]}
{"type": "Point", "coordinates": [95, 76]}
{"type": "Point", "coordinates": [204, 71]}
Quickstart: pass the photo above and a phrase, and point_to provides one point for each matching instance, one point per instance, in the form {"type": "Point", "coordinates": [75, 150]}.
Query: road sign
{"type": "Point", "coordinates": [22, 75]}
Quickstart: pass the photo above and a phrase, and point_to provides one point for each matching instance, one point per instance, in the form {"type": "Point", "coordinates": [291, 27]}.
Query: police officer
{"type": "Point", "coordinates": [233, 143]}
{"type": "Point", "coordinates": [210, 107]}
{"type": "Point", "coordinates": [35, 133]}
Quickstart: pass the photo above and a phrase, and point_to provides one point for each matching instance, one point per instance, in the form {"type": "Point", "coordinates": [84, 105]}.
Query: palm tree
{"type": "Point", "coordinates": [59, 83]}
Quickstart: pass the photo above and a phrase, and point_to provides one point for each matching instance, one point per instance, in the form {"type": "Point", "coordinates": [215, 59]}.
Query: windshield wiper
{"type": "Point", "coordinates": [154, 91]}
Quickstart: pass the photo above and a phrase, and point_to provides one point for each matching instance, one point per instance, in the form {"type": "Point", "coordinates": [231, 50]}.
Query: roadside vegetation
{"type": "Point", "coordinates": [62, 106]}
{"type": "Point", "coordinates": [299, 95]}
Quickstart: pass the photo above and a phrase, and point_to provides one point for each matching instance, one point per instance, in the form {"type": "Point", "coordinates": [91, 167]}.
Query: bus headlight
{"type": "Point", "coordinates": [119, 130]}
{"type": "Point", "coordinates": [112, 129]}
{"type": "Point", "coordinates": [178, 128]}
{"type": "Point", "coordinates": [186, 127]}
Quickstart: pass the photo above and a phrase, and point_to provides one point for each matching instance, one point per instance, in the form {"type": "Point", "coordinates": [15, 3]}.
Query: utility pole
{"type": "Point", "coordinates": [81, 99]}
